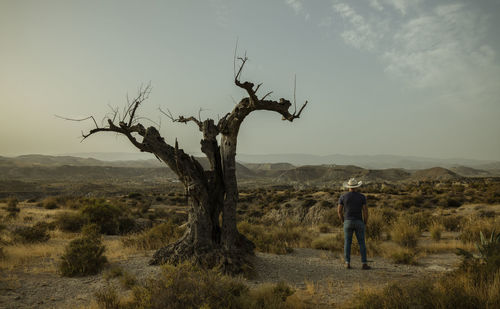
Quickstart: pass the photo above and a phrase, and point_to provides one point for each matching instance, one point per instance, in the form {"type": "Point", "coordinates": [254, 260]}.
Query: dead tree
{"type": "Point", "coordinates": [212, 238]}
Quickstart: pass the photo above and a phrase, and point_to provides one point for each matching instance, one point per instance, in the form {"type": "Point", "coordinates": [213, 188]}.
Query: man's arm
{"type": "Point", "coordinates": [365, 214]}
{"type": "Point", "coordinates": [340, 212]}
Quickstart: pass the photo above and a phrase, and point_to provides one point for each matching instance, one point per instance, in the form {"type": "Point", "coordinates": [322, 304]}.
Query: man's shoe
{"type": "Point", "coordinates": [366, 267]}
{"type": "Point", "coordinates": [347, 265]}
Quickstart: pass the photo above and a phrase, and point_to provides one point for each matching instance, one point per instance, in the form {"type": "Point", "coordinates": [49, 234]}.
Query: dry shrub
{"type": "Point", "coordinates": [50, 202]}
{"type": "Point", "coordinates": [324, 228]}
{"type": "Point", "coordinates": [473, 226]}
{"type": "Point", "coordinates": [331, 217]}
{"type": "Point", "coordinates": [187, 286]}
{"type": "Point", "coordinates": [451, 223]}
{"type": "Point", "coordinates": [156, 237]}
{"type": "Point", "coordinates": [475, 284]}
{"type": "Point", "coordinates": [376, 225]}
{"type": "Point", "coordinates": [436, 229]}
{"type": "Point", "coordinates": [276, 239]}
{"type": "Point", "coordinates": [404, 256]}
{"type": "Point", "coordinates": [329, 242]}
{"type": "Point", "coordinates": [404, 233]}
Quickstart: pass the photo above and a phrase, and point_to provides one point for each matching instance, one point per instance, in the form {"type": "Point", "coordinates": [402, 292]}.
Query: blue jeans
{"type": "Point", "coordinates": [358, 227]}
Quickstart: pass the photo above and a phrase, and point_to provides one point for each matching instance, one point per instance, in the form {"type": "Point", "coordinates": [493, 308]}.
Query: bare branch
{"type": "Point", "coordinates": [294, 91]}
{"type": "Point", "coordinates": [82, 119]}
{"type": "Point", "coordinates": [183, 119]}
{"type": "Point", "coordinates": [267, 94]}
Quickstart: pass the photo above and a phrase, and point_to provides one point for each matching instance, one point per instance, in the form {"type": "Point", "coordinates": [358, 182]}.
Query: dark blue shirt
{"type": "Point", "coordinates": [353, 205]}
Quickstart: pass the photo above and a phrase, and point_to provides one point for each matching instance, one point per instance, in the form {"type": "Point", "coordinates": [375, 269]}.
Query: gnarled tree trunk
{"type": "Point", "coordinates": [212, 238]}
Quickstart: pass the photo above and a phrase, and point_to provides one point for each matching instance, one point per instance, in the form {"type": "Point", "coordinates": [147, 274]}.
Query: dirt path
{"type": "Point", "coordinates": [315, 274]}
{"type": "Point", "coordinates": [321, 274]}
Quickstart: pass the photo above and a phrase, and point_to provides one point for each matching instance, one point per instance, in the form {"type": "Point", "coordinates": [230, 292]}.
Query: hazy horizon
{"type": "Point", "coordinates": [398, 77]}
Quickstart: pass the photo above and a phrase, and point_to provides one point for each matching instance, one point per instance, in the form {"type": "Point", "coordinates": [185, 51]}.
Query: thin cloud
{"type": "Point", "coordinates": [360, 34]}
{"type": "Point", "coordinates": [296, 5]}
{"type": "Point", "coordinates": [442, 48]}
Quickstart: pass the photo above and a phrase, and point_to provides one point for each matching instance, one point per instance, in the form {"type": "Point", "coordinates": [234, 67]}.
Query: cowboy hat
{"type": "Point", "coordinates": [352, 183]}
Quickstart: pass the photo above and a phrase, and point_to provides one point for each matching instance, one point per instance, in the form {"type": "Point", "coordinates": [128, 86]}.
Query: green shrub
{"type": "Point", "coordinates": [404, 233]}
{"type": "Point", "coordinates": [70, 221]}
{"type": "Point", "coordinates": [85, 255]}
{"type": "Point", "coordinates": [31, 234]}
{"type": "Point", "coordinates": [106, 216]}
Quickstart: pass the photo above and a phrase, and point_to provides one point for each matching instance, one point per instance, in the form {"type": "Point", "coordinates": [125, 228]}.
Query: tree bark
{"type": "Point", "coordinates": [212, 238]}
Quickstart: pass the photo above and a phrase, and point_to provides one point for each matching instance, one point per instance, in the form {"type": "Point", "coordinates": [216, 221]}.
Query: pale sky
{"type": "Point", "coordinates": [404, 77]}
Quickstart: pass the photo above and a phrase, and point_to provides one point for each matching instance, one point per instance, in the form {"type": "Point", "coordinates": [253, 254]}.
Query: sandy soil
{"type": "Point", "coordinates": [318, 276]}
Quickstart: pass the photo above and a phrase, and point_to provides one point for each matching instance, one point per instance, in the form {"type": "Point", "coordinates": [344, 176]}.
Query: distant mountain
{"type": "Point", "coordinates": [317, 174]}
{"type": "Point", "coordinates": [435, 173]}
{"type": "Point", "coordinates": [471, 172]}
{"type": "Point", "coordinates": [369, 161]}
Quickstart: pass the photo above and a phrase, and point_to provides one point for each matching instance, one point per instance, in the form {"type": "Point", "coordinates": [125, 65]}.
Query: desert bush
{"type": "Point", "coordinates": [31, 234]}
{"type": "Point", "coordinates": [331, 217]}
{"type": "Point", "coordinates": [135, 195]}
{"type": "Point", "coordinates": [12, 208]}
{"type": "Point", "coordinates": [49, 203]}
{"type": "Point", "coordinates": [308, 202]}
{"type": "Point", "coordinates": [108, 298]}
{"type": "Point", "coordinates": [473, 226]}
{"type": "Point", "coordinates": [451, 223]}
{"type": "Point", "coordinates": [404, 233]}
{"type": "Point", "coordinates": [275, 239]}
{"type": "Point", "coordinates": [436, 229]}
{"type": "Point", "coordinates": [324, 228]}
{"type": "Point", "coordinates": [85, 255]}
{"type": "Point", "coordinates": [404, 256]}
{"type": "Point", "coordinates": [376, 225]}
{"type": "Point", "coordinates": [156, 237]}
{"type": "Point", "coordinates": [420, 219]}
{"type": "Point", "coordinates": [105, 215]}
{"type": "Point", "coordinates": [327, 204]}
{"type": "Point", "coordinates": [328, 242]}
{"type": "Point", "coordinates": [475, 284]}
{"type": "Point", "coordinates": [70, 221]}
{"type": "Point", "coordinates": [187, 286]}
{"type": "Point", "coordinates": [389, 215]}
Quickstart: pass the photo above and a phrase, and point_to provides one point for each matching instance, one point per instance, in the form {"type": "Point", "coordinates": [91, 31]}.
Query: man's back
{"type": "Point", "coordinates": [353, 205]}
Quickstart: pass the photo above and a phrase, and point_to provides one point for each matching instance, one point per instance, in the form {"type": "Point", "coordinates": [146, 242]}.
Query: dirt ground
{"type": "Point", "coordinates": [318, 277]}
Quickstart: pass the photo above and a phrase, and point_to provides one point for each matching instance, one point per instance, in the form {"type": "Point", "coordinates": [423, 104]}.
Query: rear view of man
{"type": "Point", "coordinates": [353, 213]}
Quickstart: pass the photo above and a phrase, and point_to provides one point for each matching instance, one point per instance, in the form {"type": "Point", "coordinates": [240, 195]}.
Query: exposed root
{"type": "Point", "coordinates": [232, 262]}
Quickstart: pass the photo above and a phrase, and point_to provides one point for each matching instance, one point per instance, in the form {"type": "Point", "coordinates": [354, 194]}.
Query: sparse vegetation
{"type": "Point", "coordinates": [404, 233]}
{"type": "Point", "coordinates": [156, 237]}
{"type": "Point", "coordinates": [31, 234]}
{"type": "Point", "coordinates": [436, 229]}
{"type": "Point", "coordinates": [187, 286]}
{"type": "Point", "coordinates": [84, 255]}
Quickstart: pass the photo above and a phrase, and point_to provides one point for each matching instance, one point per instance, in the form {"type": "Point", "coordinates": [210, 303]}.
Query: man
{"type": "Point", "coordinates": [353, 213]}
